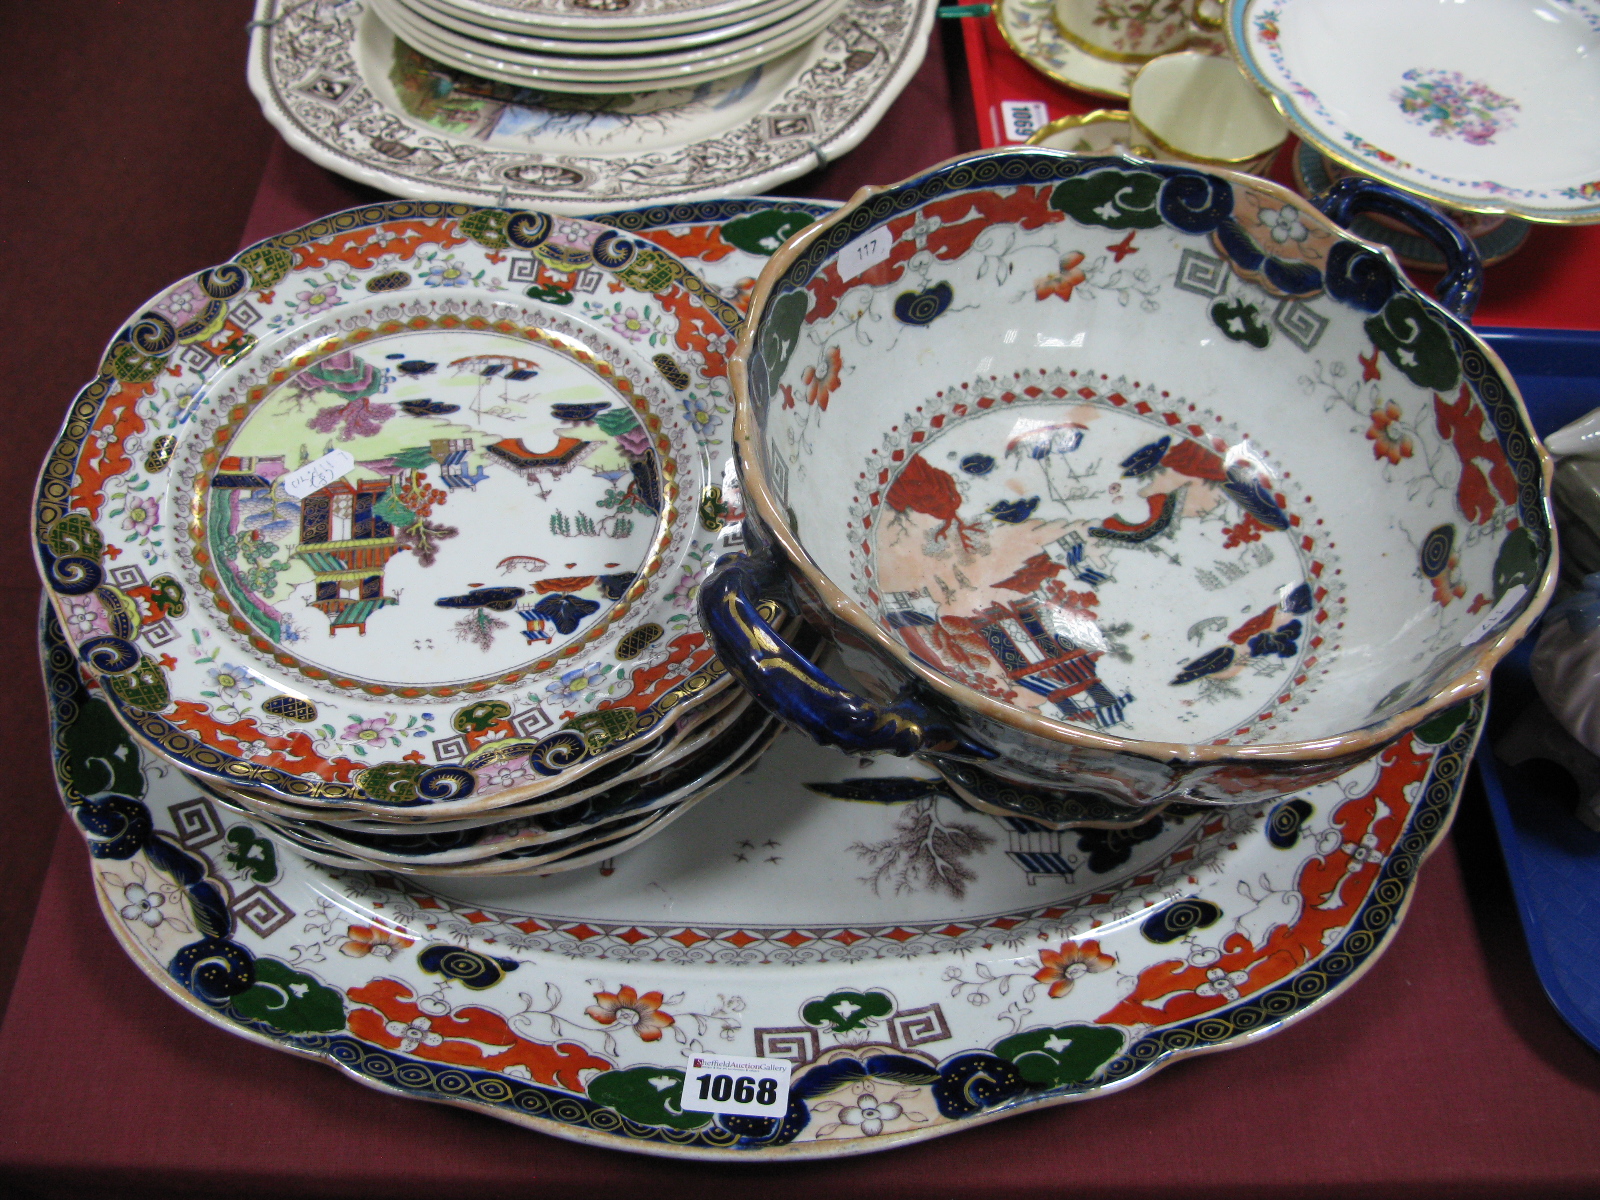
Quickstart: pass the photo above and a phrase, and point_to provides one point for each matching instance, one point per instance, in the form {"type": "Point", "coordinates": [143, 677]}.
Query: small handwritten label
{"type": "Point", "coordinates": [748, 1087]}
{"type": "Point", "coordinates": [865, 252]}
{"type": "Point", "coordinates": [1023, 118]}
{"type": "Point", "coordinates": [317, 474]}
{"type": "Point", "coordinates": [1495, 615]}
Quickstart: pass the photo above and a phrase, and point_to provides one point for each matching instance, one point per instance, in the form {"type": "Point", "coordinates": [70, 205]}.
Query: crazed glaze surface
{"type": "Point", "coordinates": [1148, 452]}
{"type": "Point", "coordinates": [923, 968]}
{"type": "Point", "coordinates": [1480, 105]}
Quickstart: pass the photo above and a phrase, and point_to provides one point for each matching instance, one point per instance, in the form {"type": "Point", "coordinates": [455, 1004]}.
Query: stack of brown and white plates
{"type": "Point", "coordinates": [606, 47]}
{"type": "Point", "coordinates": [387, 532]}
{"type": "Point", "coordinates": [581, 106]}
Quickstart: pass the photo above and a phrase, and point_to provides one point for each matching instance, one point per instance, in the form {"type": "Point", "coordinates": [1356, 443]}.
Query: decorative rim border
{"type": "Point", "coordinates": [579, 1118]}
{"type": "Point", "coordinates": [1240, 43]}
{"type": "Point", "coordinates": [51, 502]}
{"type": "Point", "coordinates": [1491, 381]}
{"type": "Point", "coordinates": [807, 155]}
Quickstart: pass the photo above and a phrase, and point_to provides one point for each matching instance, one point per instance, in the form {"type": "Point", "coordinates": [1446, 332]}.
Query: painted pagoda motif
{"type": "Point", "coordinates": [378, 489]}
{"type": "Point", "coordinates": [347, 545]}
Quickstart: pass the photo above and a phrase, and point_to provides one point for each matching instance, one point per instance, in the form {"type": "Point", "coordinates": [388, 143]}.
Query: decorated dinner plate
{"type": "Point", "coordinates": [640, 811]}
{"type": "Point", "coordinates": [1480, 105]}
{"type": "Point", "coordinates": [726, 241]}
{"type": "Point", "coordinates": [923, 968]}
{"type": "Point", "coordinates": [630, 798]}
{"type": "Point", "coordinates": [345, 92]}
{"type": "Point", "coordinates": [1029, 28]}
{"type": "Point", "coordinates": [688, 733]}
{"type": "Point", "coordinates": [296, 521]}
{"type": "Point", "coordinates": [601, 19]}
{"type": "Point", "coordinates": [677, 68]}
{"type": "Point", "coordinates": [752, 16]}
{"type": "Point", "coordinates": [682, 737]}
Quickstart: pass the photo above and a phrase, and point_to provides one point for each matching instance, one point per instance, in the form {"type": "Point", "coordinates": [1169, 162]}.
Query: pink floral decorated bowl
{"type": "Point", "coordinates": [1129, 479]}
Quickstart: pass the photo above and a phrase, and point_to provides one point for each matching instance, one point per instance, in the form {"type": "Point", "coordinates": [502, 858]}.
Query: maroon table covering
{"type": "Point", "coordinates": [136, 156]}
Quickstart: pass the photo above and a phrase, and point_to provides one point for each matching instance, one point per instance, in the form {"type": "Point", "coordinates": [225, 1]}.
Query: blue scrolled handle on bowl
{"type": "Point", "coordinates": [794, 689]}
{"type": "Point", "coordinates": [1462, 284]}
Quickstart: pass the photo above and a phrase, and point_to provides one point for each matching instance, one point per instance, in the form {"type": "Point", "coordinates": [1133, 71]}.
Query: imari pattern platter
{"type": "Point", "coordinates": [402, 509]}
{"type": "Point", "coordinates": [923, 968]}
{"type": "Point", "coordinates": [1481, 106]}
{"type": "Point", "coordinates": [345, 92]}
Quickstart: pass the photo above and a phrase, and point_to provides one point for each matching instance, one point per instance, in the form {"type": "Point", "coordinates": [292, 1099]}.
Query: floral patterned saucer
{"type": "Point", "coordinates": [973, 967]}
{"type": "Point", "coordinates": [1483, 107]}
{"type": "Point", "coordinates": [296, 521]}
{"type": "Point", "coordinates": [346, 93]}
{"type": "Point", "coordinates": [1496, 237]}
{"type": "Point", "coordinates": [1029, 28]}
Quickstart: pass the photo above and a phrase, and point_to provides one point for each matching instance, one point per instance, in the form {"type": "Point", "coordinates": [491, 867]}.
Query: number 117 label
{"type": "Point", "coordinates": [749, 1087]}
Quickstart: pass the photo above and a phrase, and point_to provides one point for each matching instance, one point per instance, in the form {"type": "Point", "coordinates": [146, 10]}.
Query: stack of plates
{"type": "Point", "coordinates": [606, 48]}
{"type": "Point", "coordinates": [387, 532]}
{"type": "Point", "coordinates": [580, 106]}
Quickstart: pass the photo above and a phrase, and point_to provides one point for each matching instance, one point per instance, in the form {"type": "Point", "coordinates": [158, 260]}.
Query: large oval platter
{"type": "Point", "coordinates": [1009, 968]}
{"type": "Point", "coordinates": [297, 520]}
{"type": "Point", "coordinates": [349, 95]}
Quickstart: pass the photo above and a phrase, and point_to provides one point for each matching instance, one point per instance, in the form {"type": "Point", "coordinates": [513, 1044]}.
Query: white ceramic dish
{"type": "Point", "coordinates": [664, 60]}
{"type": "Point", "coordinates": [502, 64]}
{"type": "Point", "coordinates": [791, 916]}
{"type": "Point", "coordinates": [1480, 105]}
{"type": "Point", "coordinates": [538, 840]}
{"type": "Point", "coordinates": [413, 350]}
{"type": "Point", "coordinates": [609, 18]}
{"type": "Point", "coordinates": [975, 410]}
{"type": "Point", "coordinates": [532, 36]}
{"type": "Point", "coordinates": [344, 92]}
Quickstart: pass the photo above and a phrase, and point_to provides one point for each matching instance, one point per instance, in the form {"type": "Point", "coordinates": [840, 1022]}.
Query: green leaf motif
{"type": "Point", "coordinates": [1062, 1055]}
{"type": "Point", "coordinates": [550, 295]}
{"type": "Point", "coordinates": [252, 854]}
{"type": "Point", "coordinates": [648, 1095]}
{"type": "Point", "coordinates": [99, 756]}
{"type": "Point", "coordinates": [1416, 343]}
{"type": "Point", "coordinates": [1114, 199]}
{"type": "Point", "coordinates": [290, 1001]}
{"type": "Point", "coordinates": [846, 1010]}
{"type": "Point", "coordinates": [1440, 728]}
{"type": "Point", "coordinates": [780, 335]}
{"type": "Point", "coordinates": [1240, 321]}
{"type": "Point", "coordinates": [763, 232]}
{"type": "Point", "coordinates": [1517, 562]}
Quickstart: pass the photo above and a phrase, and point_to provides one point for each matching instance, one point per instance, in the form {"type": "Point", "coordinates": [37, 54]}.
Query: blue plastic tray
{"type": "Point", "coordinates": [1552, 858]}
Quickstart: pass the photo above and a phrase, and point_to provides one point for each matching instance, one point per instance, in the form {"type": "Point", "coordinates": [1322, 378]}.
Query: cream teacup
{"type": "Point", "coordinates": [1103, 131]}
{"type": "Point", "coordinates": [1199, 109]}
{"type": "Point", "coordinates": [1133, 31]}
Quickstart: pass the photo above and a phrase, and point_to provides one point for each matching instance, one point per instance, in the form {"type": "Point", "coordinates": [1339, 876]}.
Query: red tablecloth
{"type": "Point", "coordinates": [135, 157]}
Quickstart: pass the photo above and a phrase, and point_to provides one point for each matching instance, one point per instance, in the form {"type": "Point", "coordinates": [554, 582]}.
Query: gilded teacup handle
{"type": "Point", "coordinates": [791, 687]}
{"type": "Point", "coordinates": [1462, 284]}
{"type": "Point", "coordinates": [1201, 13]}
